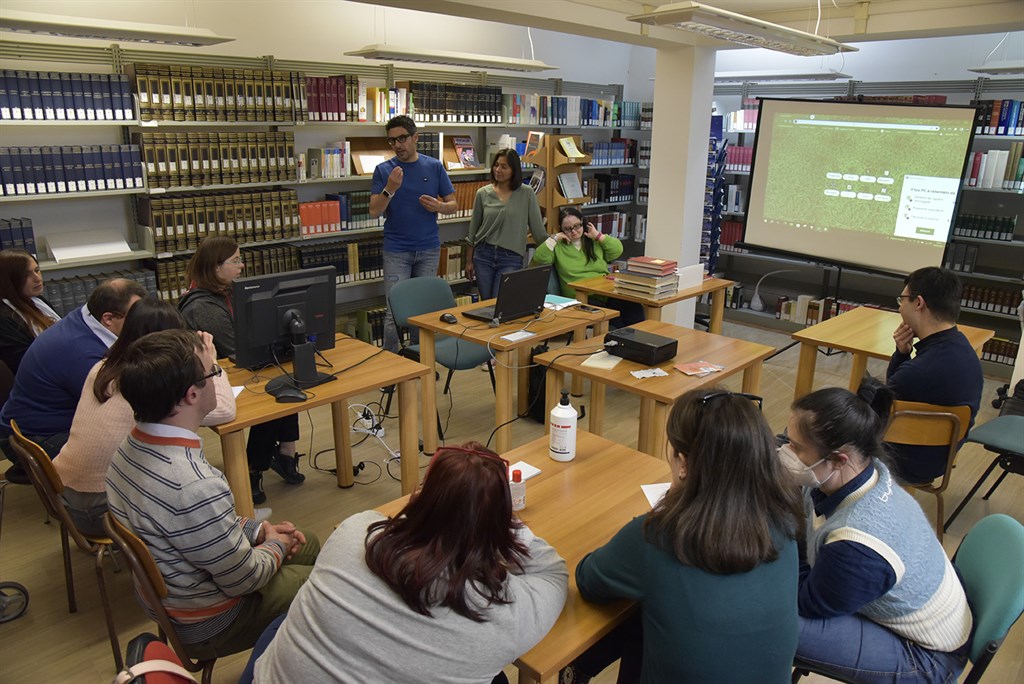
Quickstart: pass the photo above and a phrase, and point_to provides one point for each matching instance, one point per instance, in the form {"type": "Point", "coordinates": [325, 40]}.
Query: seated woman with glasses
{"type": "Point", "coordinates": [578, 251]}
{"type": "Point", "coordinates": [103, 417]}
{"type": "Point", "coordinates": [207, 306]}
{"type": "Point", "coordinates": [713, 566]}
{"type": "Point", "coordinates": [451, 589]}
{"type": "Point", "coordinates": [879, 600]}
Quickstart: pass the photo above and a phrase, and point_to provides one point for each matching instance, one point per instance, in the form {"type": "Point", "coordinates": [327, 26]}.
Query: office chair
{"type": "Point", "coordinates": [1003, 436]}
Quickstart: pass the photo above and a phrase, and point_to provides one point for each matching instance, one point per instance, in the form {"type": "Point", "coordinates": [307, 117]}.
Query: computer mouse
{"type": "Point", "coordinates": [290, 395]}
{"type": "Point", "coordinates": [449, 318]}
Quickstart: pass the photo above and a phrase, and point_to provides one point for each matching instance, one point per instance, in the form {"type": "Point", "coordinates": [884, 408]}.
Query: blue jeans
{"type": "Point", "coordinates": [402, 266]}
{"type": "Point", "coordinates": [857, 649]}
{"type": "Point", "coordinates": [491, 262]}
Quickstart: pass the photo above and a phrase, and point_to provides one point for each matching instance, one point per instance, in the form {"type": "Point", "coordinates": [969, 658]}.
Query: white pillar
{"type": "Point", "coordinates": [683, 87]}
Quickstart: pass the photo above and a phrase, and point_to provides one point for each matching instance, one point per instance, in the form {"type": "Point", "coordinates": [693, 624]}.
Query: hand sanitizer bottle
{"type": "Point", "coordinates": [518, 489]}
{"type": "Point", "coordinates": [562, 446]}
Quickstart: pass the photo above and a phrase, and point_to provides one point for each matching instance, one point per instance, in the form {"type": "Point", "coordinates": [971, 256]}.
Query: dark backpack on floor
{"type": "Point", "coordinates": [538, 385]}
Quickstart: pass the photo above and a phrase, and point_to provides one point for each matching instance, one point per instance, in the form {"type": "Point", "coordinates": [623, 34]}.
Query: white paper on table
{"type": "Point", "coordinates": [86, 243]}
{"type": "Point", "coordinates": [655, 492]}
{"type": "Point", "coordinates": [237, 390]}
{"type": "Point", "coordinates": [525, 468]}
{"type": "Point", "coordinates": [603, 360]}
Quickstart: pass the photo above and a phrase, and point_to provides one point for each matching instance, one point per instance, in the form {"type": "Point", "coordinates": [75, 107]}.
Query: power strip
{"type": "Point", "coordinates": [377, 432]}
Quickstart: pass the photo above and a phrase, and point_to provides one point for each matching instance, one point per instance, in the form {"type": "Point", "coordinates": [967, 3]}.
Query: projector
{"type": "Point", "coordinates": [642, 347]}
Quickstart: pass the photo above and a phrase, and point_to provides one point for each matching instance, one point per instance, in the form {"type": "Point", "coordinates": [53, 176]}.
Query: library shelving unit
{"type": "Point", "coordinates": [133, 218]}
{"type": "Point", "coordinates": [558, 170]}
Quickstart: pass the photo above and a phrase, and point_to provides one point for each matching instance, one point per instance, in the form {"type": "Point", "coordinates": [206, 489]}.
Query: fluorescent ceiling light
{"type": "Point", "coordinates": [1000, 68]}
{"type": "Point", "coordinates": [464, 59]}
{"type": "Point", "coordinates": [738, 28]}
{"type": "Point", "coordinates": [779, 75]}
{"type": "Point", "coordinates": [106, 29]}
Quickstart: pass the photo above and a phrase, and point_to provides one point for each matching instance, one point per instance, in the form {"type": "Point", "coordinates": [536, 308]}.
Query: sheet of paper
{"type": "Point", "coordinates": [655, 492]}
{"type": "Point", "coordinates": [602, 359]}
{"type": "Point", "coordinates": [525, 468]}
{"type": "Point", "coordinates": [370, 161]}
{"type": "Point", "coordinates": [647, 373]}
{"type": "Point", "coordinates": [558, 303]}
{"type": "Point", "coordinates": [86, 243]}
{"type": "Point", "coordinates": [237, 390]}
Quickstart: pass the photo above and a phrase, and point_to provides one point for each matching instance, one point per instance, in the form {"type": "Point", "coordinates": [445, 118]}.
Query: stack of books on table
{"type": "Point", "coordinates": [649, 277]}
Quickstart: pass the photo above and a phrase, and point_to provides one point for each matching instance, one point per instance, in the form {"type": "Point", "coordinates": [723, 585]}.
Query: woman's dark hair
{"type": "Point", "coordinates": [512, 159]}
{"type": "Point", "coordinates": [15, 266]}
{"type": "Point", "coordinates": [736, 495]}
{"type": "Point", "coordinates": [586, 243]}
{"type": "Point", "coordinates": [158, 369]}
{"type": "Point", "coordinates": [202, 268]}
{"type": "Point", "coordinates": [835, 419]}
{"type": "Point", "coordinates": [455, 536]}
{"type": "Point", "coordinates": [146, 316]}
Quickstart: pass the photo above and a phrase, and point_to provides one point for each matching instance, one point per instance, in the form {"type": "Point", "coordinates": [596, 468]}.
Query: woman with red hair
{"type": "Point", "coordinates": [451, 589]}
{"type": "Point", "coordinates": [25, 313]}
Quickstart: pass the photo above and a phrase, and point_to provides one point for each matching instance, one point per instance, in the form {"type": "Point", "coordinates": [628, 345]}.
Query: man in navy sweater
{"type": "Point", "coordinates": [52, 374]}
{"type": "Point", "coordinates": [945, 370]}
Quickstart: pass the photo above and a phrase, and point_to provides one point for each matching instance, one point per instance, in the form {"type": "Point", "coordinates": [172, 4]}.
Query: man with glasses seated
{"type": "Point", "coordinates": [945, 369]}
{"type": "Point", "coordinates": [409, 190]}
{"type": "Point", "coordinates": [227, 577]}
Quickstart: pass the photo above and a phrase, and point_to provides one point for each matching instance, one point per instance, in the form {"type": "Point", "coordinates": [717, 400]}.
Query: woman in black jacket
{"type": "Point", "coordinates": [25, 313]}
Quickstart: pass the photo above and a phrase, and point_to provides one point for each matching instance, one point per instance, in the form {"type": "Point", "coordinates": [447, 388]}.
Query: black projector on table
{"type": "Point", "coordinates": [642, 347]}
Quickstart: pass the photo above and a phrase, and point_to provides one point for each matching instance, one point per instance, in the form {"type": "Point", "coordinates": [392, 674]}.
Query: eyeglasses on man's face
{"type": "Point", "coordinates": [901, 297]}
{"type": "Point", "coordinates": [399, 139]}
{"type": "Point", "coordinates": [215, 372]}
{"type": "Point", "coordinates": [708, 398]}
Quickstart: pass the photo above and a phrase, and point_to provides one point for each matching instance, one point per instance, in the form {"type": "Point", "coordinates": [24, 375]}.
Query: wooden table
{"type": "Point", "coordinates": [550, 324]}
{"type": "Point", "coordinates": [864, 332]}
{"type": "Point", "coordinates": [577, 507]}
{"type": "Point", "coordinates": [605, 286]}
{"type": "Point", "coordinates": [656, 394]}
{"type": "Point", "coordinates": [378, 368]}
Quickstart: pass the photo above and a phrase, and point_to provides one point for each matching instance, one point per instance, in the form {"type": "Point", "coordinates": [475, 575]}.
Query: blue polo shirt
{"type": "Point", "coordinates": [408, 227]}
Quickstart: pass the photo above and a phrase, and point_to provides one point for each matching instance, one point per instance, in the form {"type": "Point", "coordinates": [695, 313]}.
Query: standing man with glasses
{"type": "Point", "coordinates": [409, 190]}
{"type": "Point", "coordinates": [945, 370]}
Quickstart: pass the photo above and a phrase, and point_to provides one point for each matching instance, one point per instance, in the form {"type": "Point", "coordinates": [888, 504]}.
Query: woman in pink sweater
{"type": "Point", "coordinates": [103, 418]}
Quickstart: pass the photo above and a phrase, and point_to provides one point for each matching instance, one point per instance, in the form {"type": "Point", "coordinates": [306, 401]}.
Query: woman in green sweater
{"type": "Point", "coordinates": [579, 250]}
{"type": "Point", "coordinates": [502, 211]}
{"type": "Point", "coordinates": [714, 565]}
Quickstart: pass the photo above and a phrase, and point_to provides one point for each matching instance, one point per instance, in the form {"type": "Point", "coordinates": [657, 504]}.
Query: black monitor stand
{"type": "Point", "coordinates": [304, 373]}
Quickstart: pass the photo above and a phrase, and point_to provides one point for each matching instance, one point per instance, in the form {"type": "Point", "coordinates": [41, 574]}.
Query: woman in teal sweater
{"type": "Point", "coordinates": [579, 250]}
{"type": "Point", "coordinates": [502, 211]}
{"type": "Point", "coordinates": [714, 565]}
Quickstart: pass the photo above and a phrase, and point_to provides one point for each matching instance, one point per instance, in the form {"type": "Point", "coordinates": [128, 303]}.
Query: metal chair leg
{"type": "Point", "coordinates": [448, 381]}
{"type": "Point", "coordinates": [1002, 477]}
{"type": "Point", "coordinates": [108, 614]}
{"type": "Point", "coordinates": [69, 578]}
{"type": "Point", "coordinates": [970, 494]}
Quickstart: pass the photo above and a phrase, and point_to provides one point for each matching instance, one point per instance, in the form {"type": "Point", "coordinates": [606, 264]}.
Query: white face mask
{"type": "Point", "coordinates": [802, 473]}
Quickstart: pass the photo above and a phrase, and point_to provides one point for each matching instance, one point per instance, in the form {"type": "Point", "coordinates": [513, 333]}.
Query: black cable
{"type": "Point", "coordinates": [534, 401]}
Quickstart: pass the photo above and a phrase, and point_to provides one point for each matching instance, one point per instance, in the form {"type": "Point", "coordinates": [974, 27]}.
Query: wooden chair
{"type": "Point", "coordinates": [48, 485]}
{"type": "Point", "coordinates": [920, 424]}
{"type": "Point", "coordinates": [151, 586]}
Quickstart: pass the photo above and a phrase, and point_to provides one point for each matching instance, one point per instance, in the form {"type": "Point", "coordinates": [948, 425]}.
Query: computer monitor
{"type": "Point", "coordinates": [284, 316]}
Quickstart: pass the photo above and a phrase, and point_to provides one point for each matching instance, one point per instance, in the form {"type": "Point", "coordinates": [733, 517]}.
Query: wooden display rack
{"type": "Point", "coordinates": [550, 158]}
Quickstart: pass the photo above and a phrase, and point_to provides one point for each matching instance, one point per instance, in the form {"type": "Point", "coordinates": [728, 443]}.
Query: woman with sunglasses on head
{"type": "Point", "coordinates": [502, 213]}
{"type": "Point", "coordinates": [207, 306]}
{"type": "Point", "coordinates": [579, 250]}
{"type": "Point", "coordinates": [103, 417]}
{"type": "Point", "coordinates": [26, 313]}
{"type": "Point", "coordinates": [713, 566]}
{"type": "Point", "coordinates": [451, 589]}
{"type": "Point", "coordinates": [879, 600]}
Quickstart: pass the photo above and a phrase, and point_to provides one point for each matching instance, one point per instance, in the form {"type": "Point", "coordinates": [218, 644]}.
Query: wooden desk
{"type": "Point", "coordinates": [605, 285]}
{"type": "Point", "coordinates": [577, 507]}
{"type": "Point", "coordinates": [864, 332]}
{"type": "Point", "coordinates": [550, 324]}
{"type": "Point", "coordinates": [656, 394]}
{"type": "Point", "coordinates": [255, 407]}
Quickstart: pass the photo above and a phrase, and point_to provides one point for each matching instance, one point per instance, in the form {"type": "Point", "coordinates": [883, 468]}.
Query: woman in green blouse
{"type": "Point", "coordinates": [502, 212]}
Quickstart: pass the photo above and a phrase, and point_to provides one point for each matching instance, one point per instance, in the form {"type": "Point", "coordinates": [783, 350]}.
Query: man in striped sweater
{"type": "Point", "coordinates": [227, 577]}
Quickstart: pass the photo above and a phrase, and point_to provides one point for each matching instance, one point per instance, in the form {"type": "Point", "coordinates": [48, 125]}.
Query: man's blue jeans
{"type": "Point", "coordinates": [857, 649]}
{"type": "Point", "coordinates": [402, 266]}
{"type": "Point", "coordinates": [491, 262]}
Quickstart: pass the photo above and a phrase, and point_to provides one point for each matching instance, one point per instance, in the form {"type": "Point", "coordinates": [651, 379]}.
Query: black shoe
{"type": "Point", "coordinates": [16, 474]}
{"type": "Point", "coordinates": [256, 482]}
{"type": "Point", "coordinates": [288, 468]}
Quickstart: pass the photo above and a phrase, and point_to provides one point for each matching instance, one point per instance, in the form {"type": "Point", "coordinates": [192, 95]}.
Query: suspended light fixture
{"type": "Point", "coordinates": [463, 59]}
{"type": "Point", "coordinates": [107, 29]}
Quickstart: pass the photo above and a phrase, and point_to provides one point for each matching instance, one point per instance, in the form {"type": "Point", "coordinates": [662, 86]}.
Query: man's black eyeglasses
{"type": "Point", "coordinates": [215, 372]}
{"type": "Point", "coordinates": [706, 399]}
{"type": "Point", "coordinates": [399, 139]}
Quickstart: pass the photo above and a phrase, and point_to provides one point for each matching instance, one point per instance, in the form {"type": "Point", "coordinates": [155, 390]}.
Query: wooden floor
{"type": "Point", "coordinates": [49, 644]}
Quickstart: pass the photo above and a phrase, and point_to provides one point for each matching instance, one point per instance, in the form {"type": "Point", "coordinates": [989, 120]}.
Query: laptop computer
{"type": "Point", "coordinates": [520, 293]}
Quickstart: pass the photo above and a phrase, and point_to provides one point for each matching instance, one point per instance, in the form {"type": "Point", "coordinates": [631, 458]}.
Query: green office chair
{"type": "Point", "coordinates": [417, 296]}
{"type": "Point", "coordinates": [990, 560]}
{"type": "Point", "coordinates": [1003, 436]}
